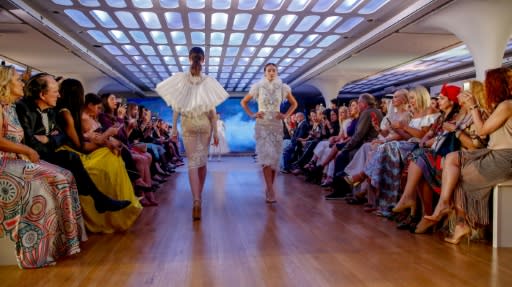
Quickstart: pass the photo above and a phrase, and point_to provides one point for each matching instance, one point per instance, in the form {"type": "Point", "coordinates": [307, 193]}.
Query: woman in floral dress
{"type": "Point", "coordinates": [39, 205]}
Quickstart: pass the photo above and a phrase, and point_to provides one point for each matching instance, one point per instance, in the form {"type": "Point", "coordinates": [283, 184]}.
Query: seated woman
{"type": "Point", "coordinates": [398, 115]}
{"type": "Point", "coordinates": [385, 166]}
{"type": "Point", "coordinates": [324, 162]}
{"type": "Point", "coordinates": [473, 174]}
{"type": "Point", "coordinates": [323, 149]}
{"type": "Point", "coordinates": [425, 168]}
{"type": "Point", "coordinates": [39, 204]}
{"type": "Point", "coordinates": [103, 164]}
{"type": "Point", "coordinates": [138, 157]}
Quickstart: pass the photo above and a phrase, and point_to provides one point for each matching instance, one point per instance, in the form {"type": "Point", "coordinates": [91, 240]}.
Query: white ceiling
{"type": "Point", "coordinates": [389, 38]}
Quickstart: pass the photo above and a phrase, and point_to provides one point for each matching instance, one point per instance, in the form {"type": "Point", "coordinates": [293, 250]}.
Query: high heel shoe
{"type": "Point", "coordinates": [407, 205]}
{"type": "Point", "coordinates": [440, 216]}
{"type": "Point", "coordinates": [269, 197]}
{"type": "Point", "coordinates": [457, 238]}
{"type": "Point", "coordinates": [196, 210]}
{"type": "Point", "coordinates": [355, 180]}
{"type": "Point", "coordinates": [425, 225]}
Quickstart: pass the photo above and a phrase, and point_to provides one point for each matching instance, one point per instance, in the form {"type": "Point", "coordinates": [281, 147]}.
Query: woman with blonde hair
{"type": "Point", "coordinates": [39, 204]}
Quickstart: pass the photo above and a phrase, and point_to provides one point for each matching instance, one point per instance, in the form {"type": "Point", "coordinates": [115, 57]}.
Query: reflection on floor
{"type": "Point", "coordinates": [302, 240]}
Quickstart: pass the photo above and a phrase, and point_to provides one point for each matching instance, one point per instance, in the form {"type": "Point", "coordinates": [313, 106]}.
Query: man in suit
{"type": "Point", "coordinates": [365, 132]}
{"type": "Point", "coordinates": [301, 132]}
{"type": "Point", "coordinates": [42, 133]}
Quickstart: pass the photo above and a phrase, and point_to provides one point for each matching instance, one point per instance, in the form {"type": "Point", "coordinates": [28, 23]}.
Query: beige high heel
{"type": "Point", "coordinates": [270, 197]}
{"type": "Point", "coordinates": [457, 238]}
{"type": "Point", "coordinates": [196, 210]}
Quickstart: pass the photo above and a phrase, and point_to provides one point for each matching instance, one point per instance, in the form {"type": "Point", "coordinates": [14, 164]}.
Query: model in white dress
{"type": "Point", "coordinates": [270, 92]}
{"type": "Point", "coordinates": [194, 95]}
{"type": "Point", "coordinates": [221, 148]}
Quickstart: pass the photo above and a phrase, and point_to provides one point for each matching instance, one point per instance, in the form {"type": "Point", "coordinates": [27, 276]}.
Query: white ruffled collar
{"type": "Point", "coordinates": [275, 84]}
{"type": "Point", "coordinates": [195, 80]}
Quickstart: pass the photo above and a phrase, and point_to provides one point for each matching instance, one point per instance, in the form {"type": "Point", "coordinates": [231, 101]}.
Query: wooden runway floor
{"type": "Point", "coordinates": [302, 240]}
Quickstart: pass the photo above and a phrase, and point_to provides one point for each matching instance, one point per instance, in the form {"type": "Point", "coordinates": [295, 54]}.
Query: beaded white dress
{"type": "Point", "coordinates": [195, 98]}
{"type": "Point", "coordinates": [269, 129]}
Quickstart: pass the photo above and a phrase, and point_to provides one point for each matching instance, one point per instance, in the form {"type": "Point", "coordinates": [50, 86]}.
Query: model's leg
{"type": "Point", "coordinates": [202, 178]}
{"type": "Point", "coordinates": [267, 175]}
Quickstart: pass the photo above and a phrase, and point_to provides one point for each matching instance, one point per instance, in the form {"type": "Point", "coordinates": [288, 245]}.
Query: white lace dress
{"type": "Point", "coordinates": [195, 98]}
{"type": "Point", "coordinates": [269, 130]}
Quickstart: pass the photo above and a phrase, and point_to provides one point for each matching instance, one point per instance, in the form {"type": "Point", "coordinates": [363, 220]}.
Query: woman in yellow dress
{"type": "Point", "coordinates": [100, 158]}
{"type": "Point", "coordinates": [194, 95]}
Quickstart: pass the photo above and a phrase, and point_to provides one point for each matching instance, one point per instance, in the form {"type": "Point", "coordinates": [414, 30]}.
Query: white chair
{"type": "Point", "coordinates": [502, 215]}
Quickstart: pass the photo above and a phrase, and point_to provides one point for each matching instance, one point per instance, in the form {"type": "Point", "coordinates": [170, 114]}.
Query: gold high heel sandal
{"type": "Point", "coordinates": [424, 225]}
{"type": "Point", "coordinates": [407, 205]}
{"type": "Point", "coordinates": [440, 216]}
{"type": "Point", "coordinates": [355, 180]}
{"type": "Point", "coordinates": [457, 238]}
{"type": "Point", "coordinates": [196, 210]}
{"type": "Point", "coordinates": [270, 197]}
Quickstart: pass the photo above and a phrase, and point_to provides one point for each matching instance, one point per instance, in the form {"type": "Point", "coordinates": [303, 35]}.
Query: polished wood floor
{"type": "Point", "coordinates": [302, 240]}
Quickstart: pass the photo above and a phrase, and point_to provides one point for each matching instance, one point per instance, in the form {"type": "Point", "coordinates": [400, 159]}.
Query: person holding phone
{"type": "Point", "coordinates": [194, 96]}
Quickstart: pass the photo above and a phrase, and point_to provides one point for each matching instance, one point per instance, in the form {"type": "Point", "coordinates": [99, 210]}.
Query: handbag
{"type": "Point", "coordinates": [446, 143]}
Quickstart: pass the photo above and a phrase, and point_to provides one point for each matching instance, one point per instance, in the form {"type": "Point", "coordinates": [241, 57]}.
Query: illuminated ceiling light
{"type": "Point", "coordinates": [373, 6]}
{"type": "Point", "coordinates": [307, 23]}
{"type": "Point", "coordinates": [158, 37]}
{"type": "Point", "coordinates": [298, 5]}
{"type": "Point", "coordinates": [219, 21]}
{"type": "Point", "coordinates": [127, 19]}
{"type": "Point", "coordinates": [79, 18]}
{"type": "Point", "coordinates": [323, 6]}
{"type": "Point", "coordinates": [285, 23]}
{"type": "Point", "coordinates": [63, 2]}
{"type": "Point", "coordinates": [169, 4]}
{"type": "Point", "coordinates": [196, 20]}
{"type": "Point", "coordinates": [150, 19]}
{"type": "Point", "coordinates": [221, 4]}
{"type": "Point", "coordinates": [116, 3]}
{"type": "Point", "coordinates": [348, 6]}
{"type": "Point", "coordinates": [143, 4]}
{"type": "Point", "coordinates": [197, 38]}
{"type": "Point", "coordinates": [173, 20]}
{"type": "Point", "coordinates": [195, 4]}
{"type": "Point", "coordinates": [104, 19]}
{"type": "Point", "coordinates": [90, 3]}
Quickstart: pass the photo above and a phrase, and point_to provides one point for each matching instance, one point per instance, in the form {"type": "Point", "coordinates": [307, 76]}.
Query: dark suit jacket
{"type": "Point", "coordinates": [301, 131]}
{"type": "Point", "coordinates": [364, 130]}
{"type": "Point", "coordinates": [32, 123]}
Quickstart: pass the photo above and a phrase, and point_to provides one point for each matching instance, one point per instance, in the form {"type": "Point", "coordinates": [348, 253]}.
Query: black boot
{"type": "Point", "coordinates": [104, 203]}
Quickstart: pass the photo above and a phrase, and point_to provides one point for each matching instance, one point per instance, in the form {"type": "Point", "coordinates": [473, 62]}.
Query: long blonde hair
{"type": "Point", "coordinates": [6, 74]}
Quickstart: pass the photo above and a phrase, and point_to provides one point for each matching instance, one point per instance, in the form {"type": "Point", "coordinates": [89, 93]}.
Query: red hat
{"type": "Point", "coordinates": [451, 92]}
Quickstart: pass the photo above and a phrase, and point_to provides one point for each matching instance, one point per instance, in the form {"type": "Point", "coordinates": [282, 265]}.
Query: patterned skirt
{"type": "Point", "coordinates": [269, 142]}
{"type": "Point", "coordinates": [385, 170]}
{"type": "Point", "coordinates": [40, 211]}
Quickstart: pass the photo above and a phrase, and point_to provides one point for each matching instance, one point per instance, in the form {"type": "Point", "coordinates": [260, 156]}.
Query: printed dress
{"type": "Point", "coordinates": [269, 130]}
{"type": "Point", "coordinates": [39, 204]}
